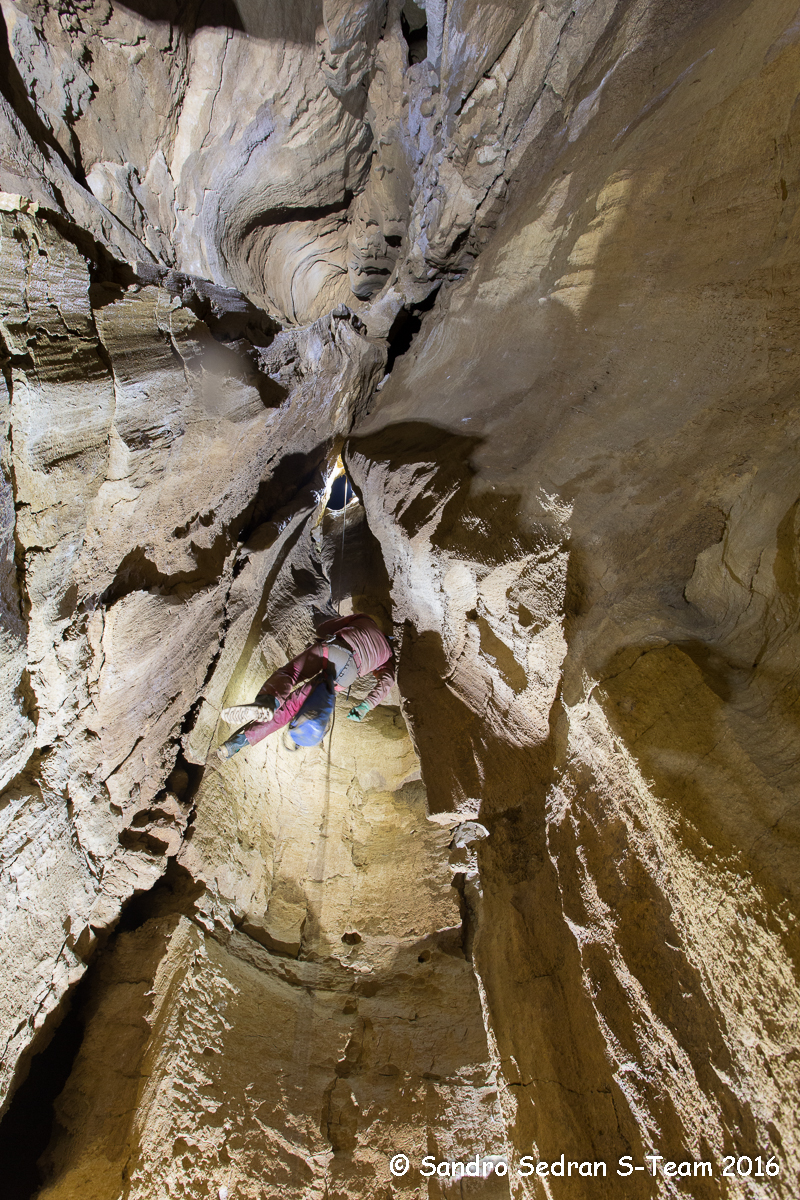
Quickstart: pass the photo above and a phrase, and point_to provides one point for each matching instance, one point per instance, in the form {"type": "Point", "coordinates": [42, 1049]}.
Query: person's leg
{"type": "Point", "coordinates": [232, 746]}
{"type": "Point", "coordinates": [258, 730]}
{"type": "Point", "coordinates": [282, 682]}
{"type": "Point", "coordinates": [273, 693]}
{"type": "Point", "coordinates": [291, 706]}
{"type": "Point", "coordinates": [260, 709]}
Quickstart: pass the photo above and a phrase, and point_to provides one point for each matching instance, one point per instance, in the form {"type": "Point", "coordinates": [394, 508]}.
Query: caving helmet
{"type": "Point", "coordinates": [311, 724]}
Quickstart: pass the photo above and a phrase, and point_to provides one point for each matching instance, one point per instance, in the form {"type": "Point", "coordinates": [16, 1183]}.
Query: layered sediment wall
{"type": "Point", "coordinates": [529, 273]}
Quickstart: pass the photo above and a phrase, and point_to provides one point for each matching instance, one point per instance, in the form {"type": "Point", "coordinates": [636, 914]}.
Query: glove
{"type": "Point", "coordinates": [359, 712]}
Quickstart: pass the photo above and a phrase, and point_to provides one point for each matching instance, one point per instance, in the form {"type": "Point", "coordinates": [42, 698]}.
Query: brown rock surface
{"type": "Point", "coordinates": [532, 271]}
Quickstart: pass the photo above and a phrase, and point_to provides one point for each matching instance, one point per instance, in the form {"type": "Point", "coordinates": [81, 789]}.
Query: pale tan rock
{"type": "Point", "coordinates": [386, 1050]}
{"type": "Point", "coordinates": [577, 516]}
{"type": "Point", "coordinates": [602, 454]}
{"type": "Point", "coordinates": [125, 582]}
{"type": "Point", "coordinates": [17, 727]}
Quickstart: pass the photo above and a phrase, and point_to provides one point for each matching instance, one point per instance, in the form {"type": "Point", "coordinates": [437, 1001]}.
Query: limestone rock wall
{"type": "Point", "coordinates": [588, 595]}
{"type": "Point", "coordinates": [141, 448]}
{"type": "Point", "coordinates": [532, 271]}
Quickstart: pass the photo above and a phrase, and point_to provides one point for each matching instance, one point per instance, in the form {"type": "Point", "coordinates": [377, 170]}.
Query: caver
{"type": "Point", "coordinates": [300, 694]}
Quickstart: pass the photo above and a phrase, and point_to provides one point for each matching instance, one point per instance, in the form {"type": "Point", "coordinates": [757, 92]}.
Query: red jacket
{"type": "Point", "coordinates": [372, 652]}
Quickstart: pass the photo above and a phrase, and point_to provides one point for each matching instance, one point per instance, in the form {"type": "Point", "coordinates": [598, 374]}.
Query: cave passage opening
{"type": "Point", "coordinates": [414, 24]}
{"type": "Point", "coordinates": [341, 493]}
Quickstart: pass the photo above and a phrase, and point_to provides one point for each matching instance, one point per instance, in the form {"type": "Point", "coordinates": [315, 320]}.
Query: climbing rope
{"type": "Point", "coordinates": [328, 772]}
{"type": "Point", "coordinates": [338, 609]}
{"type": "Point", "coordinates": [341, 556]}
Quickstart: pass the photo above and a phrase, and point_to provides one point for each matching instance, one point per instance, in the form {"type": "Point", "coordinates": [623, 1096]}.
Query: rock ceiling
{"type": "Point", "coordinates": [532, 271]}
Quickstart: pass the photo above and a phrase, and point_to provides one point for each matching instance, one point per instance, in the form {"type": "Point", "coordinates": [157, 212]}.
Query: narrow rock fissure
{"type": "Point", "coordinates": [415, 32]}
{"type": "Point", "coordinates": [405, 328]}
{"type": "Point", "coordinates": [27, 1125]}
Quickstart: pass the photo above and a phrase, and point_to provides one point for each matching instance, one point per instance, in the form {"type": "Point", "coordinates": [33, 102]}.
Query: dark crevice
{"type": "Point", "coordinates": [468, 917]}
{"type": "Point", "coordinates": [341, 493]}
{"type": "Point", "coordinates": [190, 716]}
{"type": "Point", "coordinates": [18, 603]}
{"type": "Point", "coordinates": [175, 892]}
{"type": "Point", "coordinates": [458, 244]}
{"type": "Point", "coordinates": [285, 216]}
{"type": "Point", "coordinates": [30, 1120]}
{"type": "Point", "coordinates": [415, 32]}
{"type": "Point", "coordinates": [28, 1123]}
{"type": "Point", "coordinates": [275, 24]}
{"type": "Point", "coordinates": [26, 696]}
{"type": "Point", "coordinates": [78, 169]}
{"type": "Point", "coordinates": [184, 779]}
{"type": "Point", "coordinates": [183, 783]}
{"type": "Point", "coordinates": [406, 326]}
{"type": "Point", "coordinates": [277, 496]}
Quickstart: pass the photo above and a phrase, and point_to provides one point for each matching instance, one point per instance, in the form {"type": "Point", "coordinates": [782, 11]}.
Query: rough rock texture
{"type": "Point", "coordinates": [141, 451]}
{"type": "Point", "coordinates": [247, 1066]}
{"type": "Point", "coordinates": [531, 270]}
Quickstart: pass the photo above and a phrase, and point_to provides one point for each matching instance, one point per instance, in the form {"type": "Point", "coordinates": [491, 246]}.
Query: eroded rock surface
{"type": "Point", "coordinates": [531, 270]}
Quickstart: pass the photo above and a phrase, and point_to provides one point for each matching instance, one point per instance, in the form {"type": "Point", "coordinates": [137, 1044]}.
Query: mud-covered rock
{"type": "Point", "coordinates": [528, 272]}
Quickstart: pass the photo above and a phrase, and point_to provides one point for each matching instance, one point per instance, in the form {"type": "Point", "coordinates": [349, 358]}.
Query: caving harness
{"type": "Point", "coordinates": [310, 725]}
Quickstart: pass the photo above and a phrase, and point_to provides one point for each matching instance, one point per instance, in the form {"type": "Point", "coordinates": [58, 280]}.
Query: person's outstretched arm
{"type": "Point", "coordinates": [384, 682]}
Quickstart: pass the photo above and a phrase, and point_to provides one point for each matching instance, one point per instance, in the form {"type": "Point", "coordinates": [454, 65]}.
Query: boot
{"type": "Point", "coordinates": [259, 710]}
{"type": "Point", "coordinates": [232, 746]}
